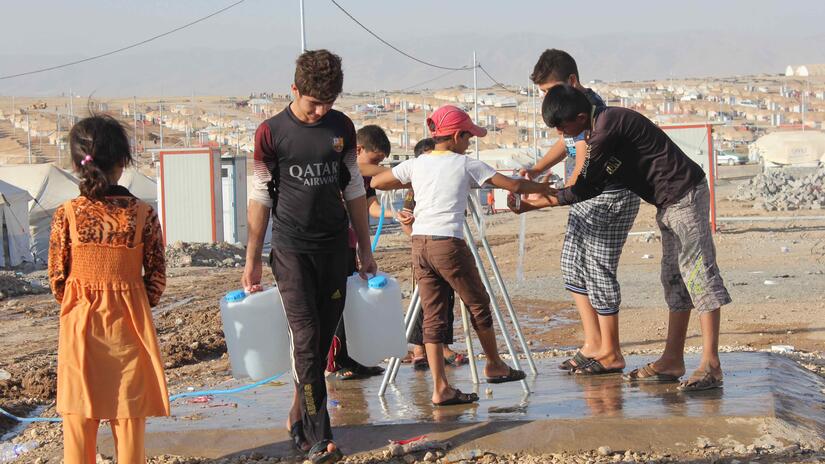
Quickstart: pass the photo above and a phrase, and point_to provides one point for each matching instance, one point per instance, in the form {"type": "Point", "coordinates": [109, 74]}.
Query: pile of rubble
{"type": "Point", "coordinates": [13, 284]}
{"type": "Point", "coordinates": [778, 190]}
{"type": "Point", "coordinates": [183, 254]}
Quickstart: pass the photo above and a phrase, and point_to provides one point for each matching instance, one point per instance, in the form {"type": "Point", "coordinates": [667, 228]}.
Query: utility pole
{"type": "Point", "coordinates": [57, 140]}
{"type": "Point", "coordinates": [406, 133]}
{"type": "Point", "coordinates": [303, 30]}
{"type": "Point", "coordinates": [161, 123]}
{"type": "Point", "coordinates": [29, 136]}
{"type": "Point", "coordinates": [134, 116]}
{"type": "Point", "coordinates": [71, 108]}
{"type": "Point", "coordinates": [535, 127]}
{"type": "Point", "coordinates": [475, 95]}
{"type": "Point", "coordinates": [13, 127]}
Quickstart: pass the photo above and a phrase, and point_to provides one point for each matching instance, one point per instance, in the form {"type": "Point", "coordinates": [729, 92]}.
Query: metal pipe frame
{"type": "Point", "coordinates": [505, 294]}
{"type": "Point", "coordinates": [468, 236]}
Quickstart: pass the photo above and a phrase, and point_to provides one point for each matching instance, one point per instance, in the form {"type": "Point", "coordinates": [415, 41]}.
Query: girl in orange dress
{"type": "Point", "coordinates": [106, 269]}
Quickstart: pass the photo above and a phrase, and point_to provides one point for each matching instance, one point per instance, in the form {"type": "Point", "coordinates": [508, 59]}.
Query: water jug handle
{"type": "Point", "coordinates": [235, 296]}
{"type": "Point", "coordinates": [378, 281]}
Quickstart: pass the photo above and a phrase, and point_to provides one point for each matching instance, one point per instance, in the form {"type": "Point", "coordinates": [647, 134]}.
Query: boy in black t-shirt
{"type": "Point", "coordinates": [306, 175]}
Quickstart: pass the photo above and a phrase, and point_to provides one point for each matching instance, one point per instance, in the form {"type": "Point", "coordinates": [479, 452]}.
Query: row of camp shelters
{"type": "Point", "coordinates": [29, 196]}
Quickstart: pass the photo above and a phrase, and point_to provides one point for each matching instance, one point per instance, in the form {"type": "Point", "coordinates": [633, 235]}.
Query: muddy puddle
{"type": "Point", "coordinates": [756, 385]}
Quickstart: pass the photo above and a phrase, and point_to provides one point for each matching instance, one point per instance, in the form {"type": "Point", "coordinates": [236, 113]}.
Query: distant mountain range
{"type": "Point", "coordinates": [371, 66]}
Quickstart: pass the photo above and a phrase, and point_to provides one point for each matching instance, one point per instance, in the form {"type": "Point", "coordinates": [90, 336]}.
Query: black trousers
{"type": "Point", "coordinates": [313, 289]}
{"type": "Point", "coordinates": [338, 357]}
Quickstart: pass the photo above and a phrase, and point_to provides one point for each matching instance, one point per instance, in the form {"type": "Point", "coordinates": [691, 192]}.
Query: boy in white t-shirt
{"type": "Point", "coordinates": [441, 259]}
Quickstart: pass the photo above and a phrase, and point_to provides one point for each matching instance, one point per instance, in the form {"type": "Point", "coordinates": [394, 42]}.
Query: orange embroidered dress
{"type": "Point", "coordinates": [107, 269]}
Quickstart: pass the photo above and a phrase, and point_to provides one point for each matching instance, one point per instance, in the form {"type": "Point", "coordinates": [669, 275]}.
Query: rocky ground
{"type": "Point", "coordinates": [774, 271]}
{"type": "Point", "coordinates": [780, 190]}
{"type": "Point", "coordinates": [181, 254]}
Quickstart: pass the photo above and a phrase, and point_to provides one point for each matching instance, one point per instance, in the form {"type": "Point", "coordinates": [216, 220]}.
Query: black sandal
{"type": "Point", "coordinates": [579, 358]}
{"type": "Point", "coordinates": [296, 432]}
{"type": "Point", "coordinates": [318, 454]}
{"type": "Point", "coordinates": [421, 364]}
{"type": "Point", "coordinates": [594, 367]}
{"type": "Point", "coordinates": [368, 371]}
{"type": "Point", "coordinates": [512, 376]}
{"type": "Point", "coordinates": [459, 398]}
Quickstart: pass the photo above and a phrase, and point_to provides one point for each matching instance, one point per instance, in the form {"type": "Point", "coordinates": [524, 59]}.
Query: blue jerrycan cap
{"type": "Point", "coordinates": [235, 296]}
{"type": "Point", "coordinates": [378, 282]}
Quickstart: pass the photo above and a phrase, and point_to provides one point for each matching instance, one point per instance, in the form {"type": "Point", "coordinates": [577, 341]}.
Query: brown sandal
{"type": "Point", "coordinates": [706, 382]}
{"type": "Point", "coordinates": [649, 374]}
{"type": "Point", "coordinates": [459, 398]}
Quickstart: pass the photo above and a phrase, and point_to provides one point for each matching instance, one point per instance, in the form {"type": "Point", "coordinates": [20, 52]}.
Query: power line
{"type": "Point", "coordinates": [137, 44]}
{"type": "Point", "coordinates": [497, 83]}
{"type": "Point", "coordinates": [430, 80]}
{"type": "Point", "coordinates": [393, 46]}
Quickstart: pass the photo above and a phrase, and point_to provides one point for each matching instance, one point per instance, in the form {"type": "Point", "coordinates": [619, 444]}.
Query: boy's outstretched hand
{"type": "Point", "coordinates": [405, 218]}
{"type": "Point", "coordinates": [532, 202]}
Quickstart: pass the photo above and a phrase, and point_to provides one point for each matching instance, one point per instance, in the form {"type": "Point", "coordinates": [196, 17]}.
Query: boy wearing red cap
{"type": "Point", "coordinates": [442, 180]}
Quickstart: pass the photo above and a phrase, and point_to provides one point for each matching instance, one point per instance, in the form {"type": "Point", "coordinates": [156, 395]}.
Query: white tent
{"type": "Point", "coordinates": [140, 186]}
{"type": "Point", "coordinates": [793, 147]}
{"type": "Point", "coordinates": [14, 225]}
{"type": "Point", "coordinates": [49, 187]}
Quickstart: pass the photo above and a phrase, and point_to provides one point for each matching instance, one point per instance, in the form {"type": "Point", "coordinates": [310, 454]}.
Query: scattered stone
{"type": "Point", "coordinates": [703, 443]}
{"type": "Point", "coordinates": [13, 284]}
{"type": "Point", "coordinates": [430, 457]}
{"type": "Point", "coordinates": [778, 190]}
{"type": "Point", "coordinates": [396, 450]}
{"type": "Point", "coordinates": [183, 254]}
{"type": "Point", "coordinates": [409, 458]}
{"type": "Point", "coordinates": [605, 451]}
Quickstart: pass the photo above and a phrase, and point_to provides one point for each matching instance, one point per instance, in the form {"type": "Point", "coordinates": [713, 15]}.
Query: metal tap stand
{"type": "Point", "coordinates": [415, 307]}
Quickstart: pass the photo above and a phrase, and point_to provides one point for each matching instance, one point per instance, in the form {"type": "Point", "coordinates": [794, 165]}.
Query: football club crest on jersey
{"type": "Point", "coordinates": [613, 165]}
{"type": "Point", "coordinates": [338, 144]}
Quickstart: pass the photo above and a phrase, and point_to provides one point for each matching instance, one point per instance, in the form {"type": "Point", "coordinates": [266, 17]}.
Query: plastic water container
{"type": "Point", "coordinates": [374, 319]}
{"type": "Point", "coordinates": [256, 332]}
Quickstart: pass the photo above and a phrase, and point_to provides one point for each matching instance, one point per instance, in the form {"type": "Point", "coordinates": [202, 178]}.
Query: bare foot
{"type": "Point", "coordinates": [612, 360]}
{"type": "Point", "coordinates": [497, 369]}
{"type": "Point", "coordinates": [443, 395]}
{"type": "Point", "coordinates": [670, 366]}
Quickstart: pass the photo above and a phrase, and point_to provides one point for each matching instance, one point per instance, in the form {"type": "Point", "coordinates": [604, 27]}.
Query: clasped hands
{"type": "Point", "coordinates": [532, 201]}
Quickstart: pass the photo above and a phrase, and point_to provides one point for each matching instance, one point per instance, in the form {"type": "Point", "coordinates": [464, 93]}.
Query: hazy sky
{"type": "Point", "coordinates": [39, 33]}
{"type": "Point", "coordinates": [90, 26]}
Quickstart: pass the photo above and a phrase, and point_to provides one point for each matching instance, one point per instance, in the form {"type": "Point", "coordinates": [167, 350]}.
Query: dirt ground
{"type": "Point", "coordinates": [775, 272]}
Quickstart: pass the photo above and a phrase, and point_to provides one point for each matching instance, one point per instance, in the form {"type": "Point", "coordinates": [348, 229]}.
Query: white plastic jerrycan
{"type": "Point", "coordinates": [374, 319]}
{"type": "Point", "coordinates": [256, 333]}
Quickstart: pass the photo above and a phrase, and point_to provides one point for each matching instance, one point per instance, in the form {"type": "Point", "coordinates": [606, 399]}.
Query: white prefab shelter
{"type": "Point", "coordinates": [191, 200]}
{"type": "Point", "coordinates": [696, 141]}
{"type": "Point", "coordinates": [789, 148]}
{"type": "Point", "coordinates": [49, 187]}
{"type": "Point", "coordinates": [141, 186]}
{"type": "Point", "coordinates": [14, 225]}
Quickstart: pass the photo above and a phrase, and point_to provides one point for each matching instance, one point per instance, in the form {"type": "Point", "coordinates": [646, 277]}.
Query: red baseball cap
{"type": "Point", "coordinates": [450, 119]}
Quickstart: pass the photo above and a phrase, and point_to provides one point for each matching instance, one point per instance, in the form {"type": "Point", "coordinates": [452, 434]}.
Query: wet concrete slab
{"type": "Point", "coordinates": [763, 394]}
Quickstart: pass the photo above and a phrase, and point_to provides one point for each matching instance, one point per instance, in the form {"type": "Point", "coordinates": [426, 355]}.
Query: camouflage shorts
{"type": "Point", "coordinates": [690, 275]}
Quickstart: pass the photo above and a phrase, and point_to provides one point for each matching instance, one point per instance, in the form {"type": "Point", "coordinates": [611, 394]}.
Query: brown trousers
{"type": "Point", "coordinates": [443, 265]}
